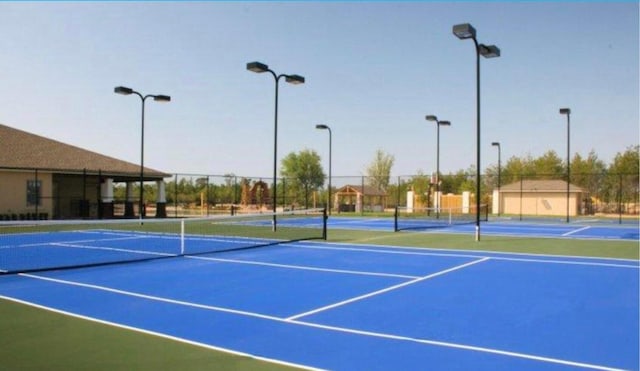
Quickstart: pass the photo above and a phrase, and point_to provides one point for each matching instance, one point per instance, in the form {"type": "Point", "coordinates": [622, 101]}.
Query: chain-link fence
{"type": "Point", "coordinates": [44, 194]}
{"type": "Point", "coordinates": [608, 196]}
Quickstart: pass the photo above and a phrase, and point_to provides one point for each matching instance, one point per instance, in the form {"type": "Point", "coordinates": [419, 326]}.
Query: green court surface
{"type": "Point", "coordinates": [529, 245]}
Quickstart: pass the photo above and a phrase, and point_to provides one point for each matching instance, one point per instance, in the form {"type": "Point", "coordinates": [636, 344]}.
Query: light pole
{"type": "Point", "coordinates": [497, 144]}
{"type": "Point", "coordinates": [292, 79]}
{"type": "Point", "coordinates": [466, 31]}
{"type": "Point", "coordinates": [325, 127]}
{"type": "Point", "coordinates": [438, 124]}
{"type": "Point", "coordinates": [158, 98]}
{"type": "Point", "coordinates": [567, 111]}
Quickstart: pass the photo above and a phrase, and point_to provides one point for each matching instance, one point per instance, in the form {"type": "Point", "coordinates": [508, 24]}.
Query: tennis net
{"type": "Point", "coordinates": [48, 245]}
{"type": "Point", "coordinates": [425, 218]}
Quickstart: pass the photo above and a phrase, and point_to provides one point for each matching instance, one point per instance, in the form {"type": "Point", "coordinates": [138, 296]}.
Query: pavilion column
{"type": "Point", "coordinates": [161, 202]}
{"type": "Point", "coordinates": [106, 198]}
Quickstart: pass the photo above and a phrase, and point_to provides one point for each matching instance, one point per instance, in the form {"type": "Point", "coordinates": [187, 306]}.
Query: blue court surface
{"type": "Point", "coordinates": [355, 307]}
{"type": "Point", "coordinates": [577, 230]}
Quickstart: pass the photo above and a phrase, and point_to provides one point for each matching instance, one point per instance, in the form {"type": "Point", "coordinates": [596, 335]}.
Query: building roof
{"type": "Point", "coordinates": [366, 190]}
{"type": "Point", "coordinates": [22, 150]}
{"type": "Point", "coordinates": [551, 185]}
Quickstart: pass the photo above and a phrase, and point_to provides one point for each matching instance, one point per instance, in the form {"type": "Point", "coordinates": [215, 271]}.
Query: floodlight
{"type": "Point", "coordinates": [257, 67]}
{"type": "Point", "coordinates": [489, 51]}
{"type": "Point", "coordinates": [162, 98]}
{"type": "Point", "coordinates": [122, 90]}
{"type": "Point", "coordinates": [464, 31]}
{"type": "Point", "coordinates": [294, 79]}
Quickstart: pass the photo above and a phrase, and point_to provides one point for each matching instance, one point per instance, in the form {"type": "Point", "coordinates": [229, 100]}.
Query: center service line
{"type": "Point", "coordinates": [576, 231]}
{"type": "Point", "coordinates": [378, 292]}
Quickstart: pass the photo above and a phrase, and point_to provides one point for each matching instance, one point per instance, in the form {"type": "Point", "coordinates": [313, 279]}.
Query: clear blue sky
{"type": "Point", "coordinates": [373, 71]}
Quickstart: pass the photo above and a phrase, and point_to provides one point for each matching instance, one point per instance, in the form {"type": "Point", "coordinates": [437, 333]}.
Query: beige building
{"type": "Point", "coordinates": [359, 198]}
{"type": "Point", "coordinates": [42, 178]}
{"type": "Point", "coordinates": [540, 197]}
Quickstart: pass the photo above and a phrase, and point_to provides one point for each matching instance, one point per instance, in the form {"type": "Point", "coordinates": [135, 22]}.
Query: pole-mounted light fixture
{"type": "Point", "coordinates": [123, 90]}
{"type": "Point", "coordinates": [259, 67]}
{"type": "Point", "coordinates": [438, 124]}
{"type": "Point", "coordinates": [326, 127]}
{"type": "Point", "coordinates": [567, 111]}
{"type": "Point", "coordinates": [466, 31]}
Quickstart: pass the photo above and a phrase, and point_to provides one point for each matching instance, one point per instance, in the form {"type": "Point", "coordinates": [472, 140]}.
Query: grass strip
{"type": "Point", "coordinates": [37, 339]}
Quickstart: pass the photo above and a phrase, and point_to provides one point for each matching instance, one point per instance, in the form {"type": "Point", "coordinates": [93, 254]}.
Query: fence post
{"type": "Point", "coordinates": [235, 190]}
{"type": "Point", "coordinates": [284, 194]}
{"type": "Point", "coordinates": [207, 203]}
{"type": "Point", "coordinates": [620, 199]}
{"type": "Point", "coordinates": [175, 196]}
{"type": "Point", "coordinates": [520, 197]}
{"type": "Point", "coordinates": [99, 195]}
{"type": "Point", "coordinates": [37, 194]}
{"type": "Point", "coordinates": [363, 196]}
{"type": "Point", "coordinates": [398, 191]}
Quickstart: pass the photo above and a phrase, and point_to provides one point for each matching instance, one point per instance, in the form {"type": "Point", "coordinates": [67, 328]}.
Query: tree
{"type": "Point", "coordinates": [624, 175]}
{"type": "Point", "coordinates": [303, 171]}
{"type": "Point", "coordinates": [549, 165]}
{"type": "Point", "coordinates": [187, 193]}
{"type": "Point", "coordinates": [379, 171]}
{"type": "Point", "coordinates": [627, 162]}
{"type": "Point", "coordinates": [517, 167]}
{"type": "Point", "coordinates": [490, 177]}
{"type": "Point", "coordinates": [459, 182]}
{"type": "Point", "coordinates": [420, 186]}
{"type": "Point", "coordinates": [245, 186]}
{"type": "Point", "coordinates": [229, 191]}
{"type": "Point", "coordinates": [588, 173]}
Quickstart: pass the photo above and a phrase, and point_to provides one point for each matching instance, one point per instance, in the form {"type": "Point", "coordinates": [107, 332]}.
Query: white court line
{"type": "Point", "coordinates": [494, 255]}
{"type": "Point", "coordinates": [461, 346]}
{"type": "Point", "coordinates": [300, 323]}
{"type": "Point", "coordinates": [576, 231]}
{"type": "Point", "coordinates": [151, 297]}
{"type": "Point", "coordinates": [344, 222]}
{"type": "Point", "coordinates": [568, 262]}
{"type": "Point", "coordinates": [378, 292]}
{"type": "Point", "coordinates": [35, 244]}
{"type": "Point", "coordinates": [301, 267]}
{"type": "Point", "coordinates": [144, 252]}
{"type": "Point", "coordinates": [161, 335]}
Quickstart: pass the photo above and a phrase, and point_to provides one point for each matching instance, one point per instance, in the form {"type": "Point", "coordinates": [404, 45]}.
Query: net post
{"type": "Point", "coordinates": [395, 219]}
{"type": "Point", "coordinates": [324, 223]}
{"type": "Point", "coordinates": [181, 236]}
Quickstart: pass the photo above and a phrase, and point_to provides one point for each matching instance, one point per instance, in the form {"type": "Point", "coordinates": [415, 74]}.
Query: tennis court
{"type": "Point", "coordinates": [581, 229]}
{"type": "Point", "coordinates": [322, 305]}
